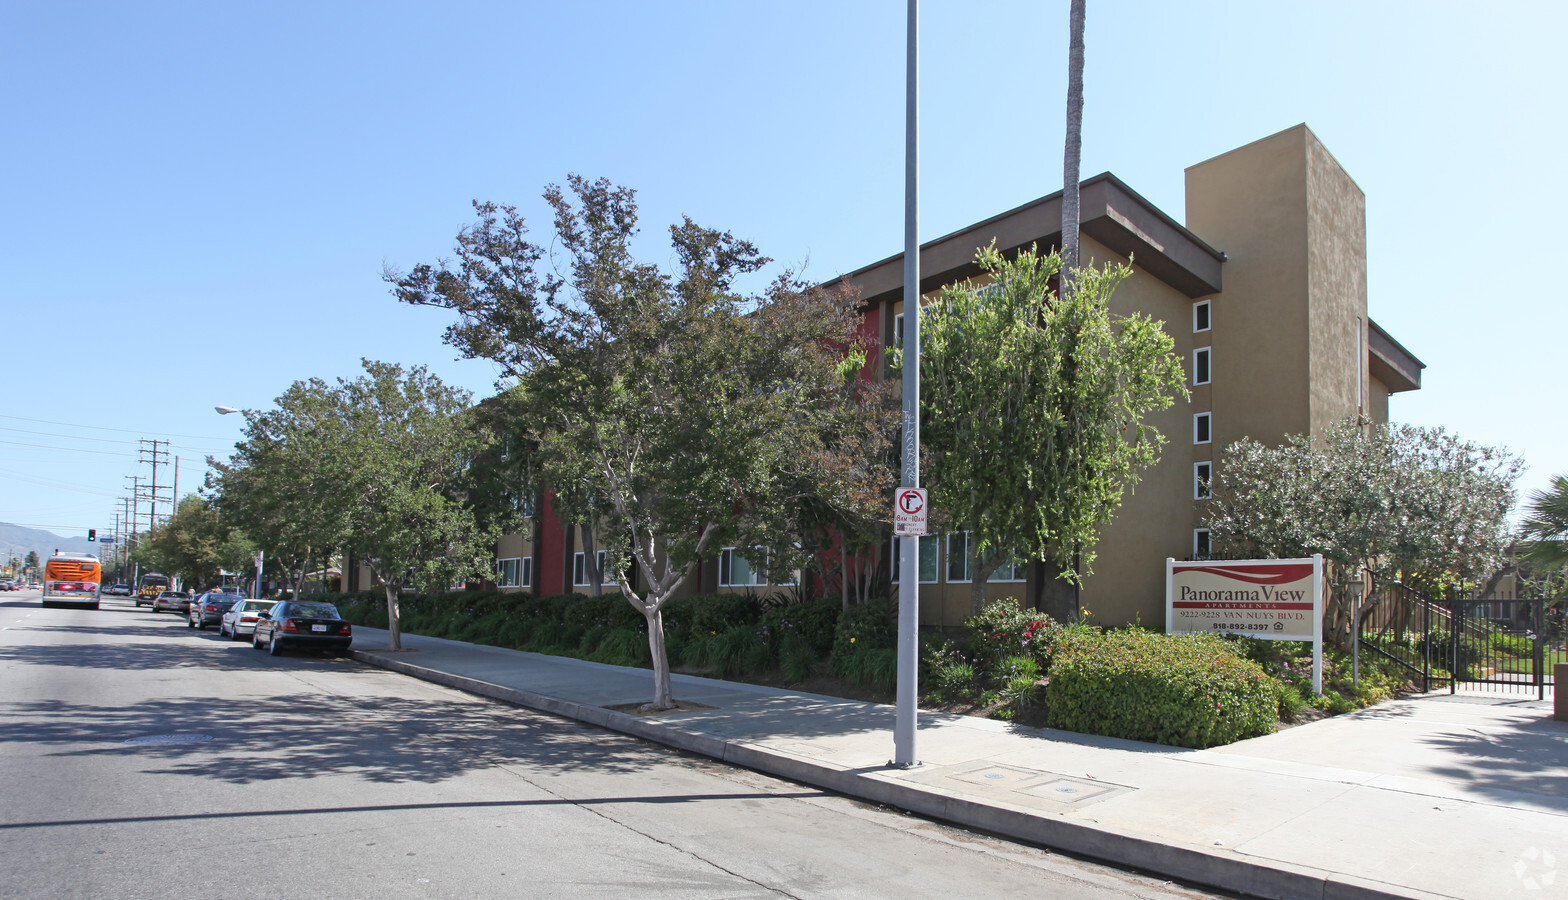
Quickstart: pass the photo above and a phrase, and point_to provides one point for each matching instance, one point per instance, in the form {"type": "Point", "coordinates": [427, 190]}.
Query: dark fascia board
{"type": "Point", "coordinates": [1109, 211]}
{"type": "Point", "coordinates": [1390, 362]}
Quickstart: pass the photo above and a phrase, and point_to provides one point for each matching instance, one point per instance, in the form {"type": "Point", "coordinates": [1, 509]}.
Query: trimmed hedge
{"type": "Point", "coordinates": [1183, 690]}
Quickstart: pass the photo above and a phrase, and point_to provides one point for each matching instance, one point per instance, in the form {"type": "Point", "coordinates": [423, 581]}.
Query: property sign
{"type": "Point", "coordinates": [910, 511]}
{"type": "Point", "coordinates": [1276, 599]}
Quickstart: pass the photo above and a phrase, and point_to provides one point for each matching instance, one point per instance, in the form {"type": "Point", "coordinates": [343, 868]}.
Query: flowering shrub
{"type": "Point", "coordinates": [1002, 631]}
{"type": "Point", "coordinates": [1184, 690]}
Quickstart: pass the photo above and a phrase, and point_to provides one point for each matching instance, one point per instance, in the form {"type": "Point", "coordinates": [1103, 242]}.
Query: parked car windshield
{"type": "Point", "coordinates": [314, 610]}
{"type": "Point", "coordinates": [257, 605]}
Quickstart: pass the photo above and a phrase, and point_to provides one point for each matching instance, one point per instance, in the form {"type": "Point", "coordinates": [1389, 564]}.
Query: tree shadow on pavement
{"type": "Point", "coordinates": [311, 734]}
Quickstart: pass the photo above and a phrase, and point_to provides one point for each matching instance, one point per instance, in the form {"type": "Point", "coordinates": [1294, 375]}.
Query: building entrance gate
{"type": "Point", "coordinates": [1499, 643]}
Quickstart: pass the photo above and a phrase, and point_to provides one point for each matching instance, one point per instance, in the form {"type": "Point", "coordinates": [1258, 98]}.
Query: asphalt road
{"type": "Point", "coordinates": [308, 776]}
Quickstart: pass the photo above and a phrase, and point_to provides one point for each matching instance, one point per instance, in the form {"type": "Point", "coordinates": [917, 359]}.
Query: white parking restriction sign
{"type": "Point", "coordinates": [910, 511]}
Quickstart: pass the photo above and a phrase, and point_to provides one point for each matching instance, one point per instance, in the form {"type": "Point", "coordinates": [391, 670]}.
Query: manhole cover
{"type": "Point", "coordinates": [167, 740]}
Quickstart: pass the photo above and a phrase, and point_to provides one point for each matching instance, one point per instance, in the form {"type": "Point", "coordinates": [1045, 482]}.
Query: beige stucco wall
{"type": "Point", "coordinates": [1156, 517]}
{"type": "Point", "coordinates": [1251, 203]}
{"type": "Point", "coordinates": [1336, 286]}
{"type": "Point", "coordinates": [1377, 401]}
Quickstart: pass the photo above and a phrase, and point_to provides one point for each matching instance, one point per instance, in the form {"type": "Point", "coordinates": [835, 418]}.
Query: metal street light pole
{"type": "Point", "coordinates": [906, 711]}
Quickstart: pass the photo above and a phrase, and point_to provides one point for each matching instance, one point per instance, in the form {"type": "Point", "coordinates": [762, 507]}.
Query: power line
{"type": "Point", "coordinates": [69, 449]}
{"type": "Point", "coordinates": [83, 437]}
{"type": "Point", "coordinates": [56, 484]}
{"type": "Point", "coordinates": [200, 437]}
{"type": "Point", "coordinates": [74, 437]}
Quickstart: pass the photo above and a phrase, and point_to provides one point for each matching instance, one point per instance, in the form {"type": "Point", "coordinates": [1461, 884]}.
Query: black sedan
{"type": "Point", "coordinates": [302, 625]}
{"type": "Point", "coordinates": [208, 609]}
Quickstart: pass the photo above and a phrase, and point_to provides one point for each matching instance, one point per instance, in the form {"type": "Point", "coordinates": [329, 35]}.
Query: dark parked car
{"type": "Point", "coordinates": [171, 601]}
{"type": "Point", "coordinates": [208, 609]}
{"type": "Point", "coordinates": [302, 625]}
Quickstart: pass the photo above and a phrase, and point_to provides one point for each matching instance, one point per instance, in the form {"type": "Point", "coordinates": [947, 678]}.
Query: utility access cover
{"type": "Point", "coordinates": [168, 740]}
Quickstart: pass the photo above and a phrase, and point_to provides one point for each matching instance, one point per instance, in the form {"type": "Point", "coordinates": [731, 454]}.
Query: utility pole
{"type": "Point", "coordinates": [154, 456]}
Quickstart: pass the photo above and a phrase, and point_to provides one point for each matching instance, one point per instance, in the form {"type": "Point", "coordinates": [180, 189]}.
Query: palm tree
{"type": "Point", "coordinates": [1074, 140]}
{"type": "Point", "coordinates": [1545, 527]}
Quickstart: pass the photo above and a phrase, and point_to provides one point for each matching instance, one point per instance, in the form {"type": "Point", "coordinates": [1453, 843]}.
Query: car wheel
{"type": "Point", "coordinates": [273, 647]}
{"type": "Point", "coordinates": [201, 624]}
{"type": "Point", "coordinates": [255, 640]}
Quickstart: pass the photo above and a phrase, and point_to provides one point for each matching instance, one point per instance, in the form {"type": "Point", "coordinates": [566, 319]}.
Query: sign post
{"type": "Point", "coordinates": [1271, 599]}
{"type": "Point", "coordinates": [905, 708]}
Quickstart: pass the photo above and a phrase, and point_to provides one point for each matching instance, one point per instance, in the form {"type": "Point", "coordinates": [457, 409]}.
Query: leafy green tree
{"type": "Point", "coordinates": [196, 543]}
{"type": "Point", "coordinates": [1545, 527]}
{"type": "Point", "coordinates": [672, 399]}
{"type": "Point", "coordinates": [1033, 406]}
{"type": "Point", "coordinates": [1383, 500]}
{"type": "Point", "coordinates": [406, 443]}
{"type": "Point", "coordinates": [286, 484]}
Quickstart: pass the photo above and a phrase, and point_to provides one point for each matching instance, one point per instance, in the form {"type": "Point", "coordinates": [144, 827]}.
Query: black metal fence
{"type": "Point", "coordinates": [1505, 643]}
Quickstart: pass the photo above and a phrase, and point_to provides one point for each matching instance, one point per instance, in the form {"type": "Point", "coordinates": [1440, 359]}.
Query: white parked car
{"type": "Point", "coordinates": [242, 616]}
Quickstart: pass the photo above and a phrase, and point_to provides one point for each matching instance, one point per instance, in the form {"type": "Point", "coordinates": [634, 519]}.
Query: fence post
{"type": "Point", "coordinates": [1538, 651]}
{"type": "Point", "coordinates": [1455, 627]}
{"type": "Point", "coordinates": [1426, 644]}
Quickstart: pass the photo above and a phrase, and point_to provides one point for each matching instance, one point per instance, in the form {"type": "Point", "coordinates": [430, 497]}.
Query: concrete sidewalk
{"type": "Point", "coordinates": [1435, 796]}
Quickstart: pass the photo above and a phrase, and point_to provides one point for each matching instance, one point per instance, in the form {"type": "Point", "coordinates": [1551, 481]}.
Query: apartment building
{"type": "Point", "coordinates": [1264, 291]}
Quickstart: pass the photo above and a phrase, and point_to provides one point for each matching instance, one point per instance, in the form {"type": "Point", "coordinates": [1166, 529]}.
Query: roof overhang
{"type": "Point", "coordinates": [1109, 212]}
{"type": "Point", "coordinates": [1391, 363]}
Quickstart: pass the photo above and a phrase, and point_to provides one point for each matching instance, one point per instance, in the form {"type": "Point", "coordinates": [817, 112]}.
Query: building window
{"type": "Point", "coordinates": [1200, 316]}
{"type": "Point", "coordinates": [929, 548]}
{"type": "Point", "coordinates": [898, 330]}
{"type": "Point", "coordinates": [1013, 569]}
{"type": "Point", "coordinates": [1201, 428]}
{"type": "Point", "coordinates": [510, 572]}
{"type": "Point", "coordinates": [1202, 474]}
{"type": "Point", "coordinates": [1200, 543]}
{"type": "Point", "coordinates": [580, 571]}
{"type": "Point", "coordinates": [738, 571]}
{"type": "Point", "coordinates": [958, 557]}
{"type": "Point", "coordinates": [1200, 365]}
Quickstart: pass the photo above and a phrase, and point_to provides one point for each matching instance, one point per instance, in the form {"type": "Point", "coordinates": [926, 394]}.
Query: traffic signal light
{"type": "Point", "coordinates": [92, 534]}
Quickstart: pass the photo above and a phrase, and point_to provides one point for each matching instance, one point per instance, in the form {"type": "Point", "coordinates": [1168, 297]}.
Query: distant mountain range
{"type": "Point", "coordinates": [16, 540]}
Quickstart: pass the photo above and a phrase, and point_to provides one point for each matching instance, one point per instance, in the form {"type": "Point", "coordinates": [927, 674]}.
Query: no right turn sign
{"type": "Point", "coordinates": [910, 508]}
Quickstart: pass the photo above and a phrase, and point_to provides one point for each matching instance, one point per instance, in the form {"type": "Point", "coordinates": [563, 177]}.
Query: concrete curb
{"type": "Point", "coordinates": [1225, 871]}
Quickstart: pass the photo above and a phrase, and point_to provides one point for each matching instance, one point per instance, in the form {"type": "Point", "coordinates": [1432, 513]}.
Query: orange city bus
{"type": "Point", "coordinates": [71, 579]}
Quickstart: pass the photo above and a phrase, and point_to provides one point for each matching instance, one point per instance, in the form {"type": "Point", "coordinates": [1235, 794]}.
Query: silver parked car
{"type": "Point", "coordinates": [242, 616]}
{"type": "Point", "coordinates": [171, 601]}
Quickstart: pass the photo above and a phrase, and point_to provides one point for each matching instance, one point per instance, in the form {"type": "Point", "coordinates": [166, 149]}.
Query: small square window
{"type": "Point", "coordinates": [1201, 428]}
{"type": "Point", "coordinates": [1202, 475]}
{"type": "Point", "coordinates": [898, 330]}
{"type": "Point", "coordinates": [1200, 543]}
{"type": "Point", "coordinates": [508, 573]}
{"type": "Point", "coordinates": [958, 557]}
{"type": "Point", "coordinates": [580, 571]}
{"type": "Point", "coordinates": [1201, 359]}
{"type": "Point", "coordinates": [738, 571]}
{"type": "Point", "coordinates": [1200, 316]}
{"type": "Point", "coordinates": [1013, 569]}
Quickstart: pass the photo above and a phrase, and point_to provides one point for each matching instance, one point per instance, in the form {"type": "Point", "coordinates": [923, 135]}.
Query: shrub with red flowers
{"type": "Point", "coordinates": [1003, 632]}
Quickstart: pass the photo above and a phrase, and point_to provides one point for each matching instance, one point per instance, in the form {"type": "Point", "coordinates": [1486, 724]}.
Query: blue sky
{"type": "Point", "coordinates": [198, 199]}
